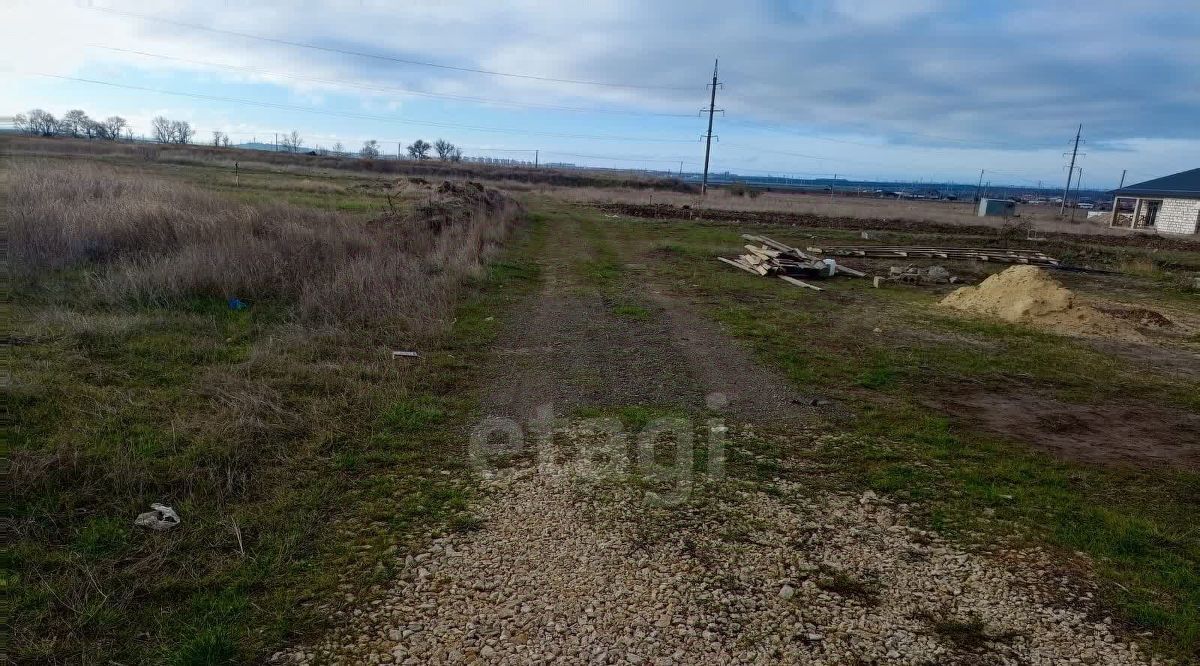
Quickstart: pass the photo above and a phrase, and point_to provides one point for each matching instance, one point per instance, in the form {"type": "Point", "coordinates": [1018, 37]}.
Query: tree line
{"type": "Point", "coordinates": [76, 123]}
{"type": "Point", "coordinates": [417, 150]}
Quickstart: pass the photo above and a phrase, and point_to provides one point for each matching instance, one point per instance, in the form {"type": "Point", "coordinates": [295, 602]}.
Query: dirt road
{"type": "Point", "coordinates": [743, 559]}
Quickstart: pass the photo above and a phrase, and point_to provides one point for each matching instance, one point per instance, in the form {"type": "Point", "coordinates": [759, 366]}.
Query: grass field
{"type": "Point", "coordinates": [889, 356]}
{"type": "Point", "coordinates": [302, 457]}
{"type": "Point", "coordinates": [296, 450]}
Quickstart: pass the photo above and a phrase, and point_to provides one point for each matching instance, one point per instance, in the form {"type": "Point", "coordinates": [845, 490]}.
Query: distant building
{"type": "Point", "coordinates": [996, 208]}
{"type": "Point", "coordinates": [1170, 204]}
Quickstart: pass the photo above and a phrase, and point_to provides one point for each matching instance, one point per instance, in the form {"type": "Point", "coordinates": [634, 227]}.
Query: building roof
{"type": "Point", "coordinates": [1185, 185]}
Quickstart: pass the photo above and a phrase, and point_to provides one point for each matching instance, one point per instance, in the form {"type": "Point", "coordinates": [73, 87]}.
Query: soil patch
{"type": "Point", "coordinates": [725, 367]}
{"type": "Point", "coordinates": [1128, 432]}
{"type": "Point", "coordinates": [572, 351]}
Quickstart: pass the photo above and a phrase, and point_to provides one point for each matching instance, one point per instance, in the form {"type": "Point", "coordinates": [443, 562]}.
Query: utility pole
{"type": "Point", "coordinates": [712, 108]}
{"type": "Point", "coordinates": [680, 169]}
{"type": "Point", "coordinates": [1078, 184]}
{"type": "Point", "coordinates": [832, 186]}
{"type": "Point", "coordinates": [536, 154]}
{"type": "Point", "coordinates": [978, 186]}
{"type": "Point", "coordinates": [277, 142]}
{"type": "Point", "coordinates": [1122, 179]}
{"type": "Point", "coordinates": [1070, 170]}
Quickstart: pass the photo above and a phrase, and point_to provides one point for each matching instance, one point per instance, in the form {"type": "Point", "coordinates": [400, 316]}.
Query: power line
{"type": "Point", "coordinates": [359, 116]}
{"type": "Point", "coordinates": [612, 157]}
{"type": "Point", "coordinates": [377, 56]}
{"type": "Point", "coordinates": [375, 88]}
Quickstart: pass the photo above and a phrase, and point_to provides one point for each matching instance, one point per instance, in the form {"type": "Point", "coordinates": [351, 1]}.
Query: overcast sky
{"type": "Point", "coordinates": [910, 89]}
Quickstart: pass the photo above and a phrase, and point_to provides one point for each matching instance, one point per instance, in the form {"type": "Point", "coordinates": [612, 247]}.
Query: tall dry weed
{"type": "Point", "coordinates": [152, 241]}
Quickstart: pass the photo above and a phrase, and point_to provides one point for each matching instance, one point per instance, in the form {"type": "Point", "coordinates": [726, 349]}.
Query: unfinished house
{"type": "Point", "coordinates": [1170, 204]}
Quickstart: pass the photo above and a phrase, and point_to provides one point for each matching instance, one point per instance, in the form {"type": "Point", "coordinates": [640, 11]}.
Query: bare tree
{"type": "Point", "coordinates": [217, 136]}
{"type": "Point", "coordinates": [225, 141]}
{"type": "Point", "coordinates": [163, 130]}
{"type": "Point", "coordinates": [338, 149]}
{"type": "Point", "coordinates": [75, 122]}
{"type": "Point", "coordinates": [291, 142]}
{"type": "Point", "coordinates": [21, 123]}
{"type": "Point", "coordinates": [42, 122]}
{"type": "Point", "coordinates": [112, 127]}
{"type": "Point", "coordinates": [419, 149]}
{"type": "Point", "coordinates": [94, 129]}
{"type": "Point", "coordinates": [447, 151]}
{"type": "Point", "coordinates": [182, 131]}
{"type": "Point", "coordinates": [369, 150]}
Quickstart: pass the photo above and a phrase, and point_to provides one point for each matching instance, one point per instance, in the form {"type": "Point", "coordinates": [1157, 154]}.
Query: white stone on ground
{"type": "Point", "coordinates": [573, 569]}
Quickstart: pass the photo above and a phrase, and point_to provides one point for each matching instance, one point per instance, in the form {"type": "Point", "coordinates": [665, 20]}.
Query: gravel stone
{"type": "Point", "coordinates": [572, 566]}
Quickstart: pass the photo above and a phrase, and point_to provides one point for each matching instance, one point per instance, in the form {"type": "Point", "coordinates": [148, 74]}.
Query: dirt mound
{"type": "Point", "coordinates": [1027, 295]}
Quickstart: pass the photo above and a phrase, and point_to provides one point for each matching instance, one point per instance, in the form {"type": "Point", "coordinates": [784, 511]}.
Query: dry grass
{"type": "Point", "coordinates": [285, 434]}
{"type": "Point", "coordinates": [27, 146]}
{"type": "Point", "coordinates": [152, 241]}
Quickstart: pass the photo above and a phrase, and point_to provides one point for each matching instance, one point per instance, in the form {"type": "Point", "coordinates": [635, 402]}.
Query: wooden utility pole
{"type": "Point", "coordinates": [536, 154]}
{"type": "Point", "coordinates": [1122, 179]}
{"type": "Point", "coordinates": [1070, 170]}
{"type": "Point", "coordinates": [978, 186]}
{"type": "Point", "coordinates": [712, 108]}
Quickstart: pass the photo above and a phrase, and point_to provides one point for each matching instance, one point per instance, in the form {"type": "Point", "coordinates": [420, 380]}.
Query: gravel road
{"type": "Point", "coordinates": [575, 565]}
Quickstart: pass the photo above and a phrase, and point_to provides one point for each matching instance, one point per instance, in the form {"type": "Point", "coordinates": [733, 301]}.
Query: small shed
{"type": "Point", "coordinates": [1170, 204]}
{"type": "Point", "coordinates": [997, 208]}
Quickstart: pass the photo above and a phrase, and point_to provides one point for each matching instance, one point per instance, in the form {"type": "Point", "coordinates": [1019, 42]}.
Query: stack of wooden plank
{"type": "Point", "coordinates": [772, 258]}
{"type": "Point", "coordinates": [1007, 256]}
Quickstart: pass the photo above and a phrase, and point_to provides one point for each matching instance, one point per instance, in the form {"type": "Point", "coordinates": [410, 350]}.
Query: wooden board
{"type": "Point", "coordinates": [798, 283]}
{"type": "Point", "coordinates": [738, 264]}
{"type": "Point", "coordinates": [850, 271]}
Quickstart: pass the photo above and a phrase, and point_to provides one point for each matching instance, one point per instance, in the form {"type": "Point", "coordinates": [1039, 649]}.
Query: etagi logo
{"type": "Point", "coordinates": [667, 451]}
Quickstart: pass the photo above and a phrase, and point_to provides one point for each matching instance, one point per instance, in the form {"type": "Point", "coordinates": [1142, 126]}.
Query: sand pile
{"type": "Point", "coordinates": [1027, 295]}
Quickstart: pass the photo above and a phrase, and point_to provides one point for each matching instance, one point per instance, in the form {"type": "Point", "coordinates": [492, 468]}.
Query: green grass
{"type": "Point", "coordinates": [1137, 526]}
{"type": "Point", "coordinates": [632, 311]}
{"type": "Point", "coordinates": [317, 453]}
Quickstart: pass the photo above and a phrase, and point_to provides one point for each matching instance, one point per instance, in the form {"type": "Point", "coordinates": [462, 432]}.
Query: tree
{"type": "Point", "coordinates": [370, 150]}
{"type": "Point", "coordinates": [447, 151]}
{"type": "Point", "coordinates": [292, 142]}
{"type": "Point", "coordinates": [21, 123]}
{"type": "Point", "coordinates": [42, 122]}
{"type": "Point", "coordinates": [94, 129]}
{"type": "Point", "coordinates": [419, 150]}
{"type": "Point", "coordinates": [217, 136]}
{"type": "Point", "coordinates": [162, 129]}
{"type": "Point", "coordinates": [112, 127]}
{"type": "Point", "coordinates": [338, 149]}
{"type": "Point", "coordinates": [182, 131]}
{"type": "Point", "coordinates": [75, 122]}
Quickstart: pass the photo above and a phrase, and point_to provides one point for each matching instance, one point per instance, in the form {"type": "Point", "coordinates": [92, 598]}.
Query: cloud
{"type": "Point", "coordinates": [1017, 75]}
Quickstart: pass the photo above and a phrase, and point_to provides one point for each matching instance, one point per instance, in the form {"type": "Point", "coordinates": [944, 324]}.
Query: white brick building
{"type": "Point", "coordinates": [1170, 205]}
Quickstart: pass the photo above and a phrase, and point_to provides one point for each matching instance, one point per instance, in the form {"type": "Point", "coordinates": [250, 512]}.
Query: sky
{"type": "Point", "coordinates": [915, 90]}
